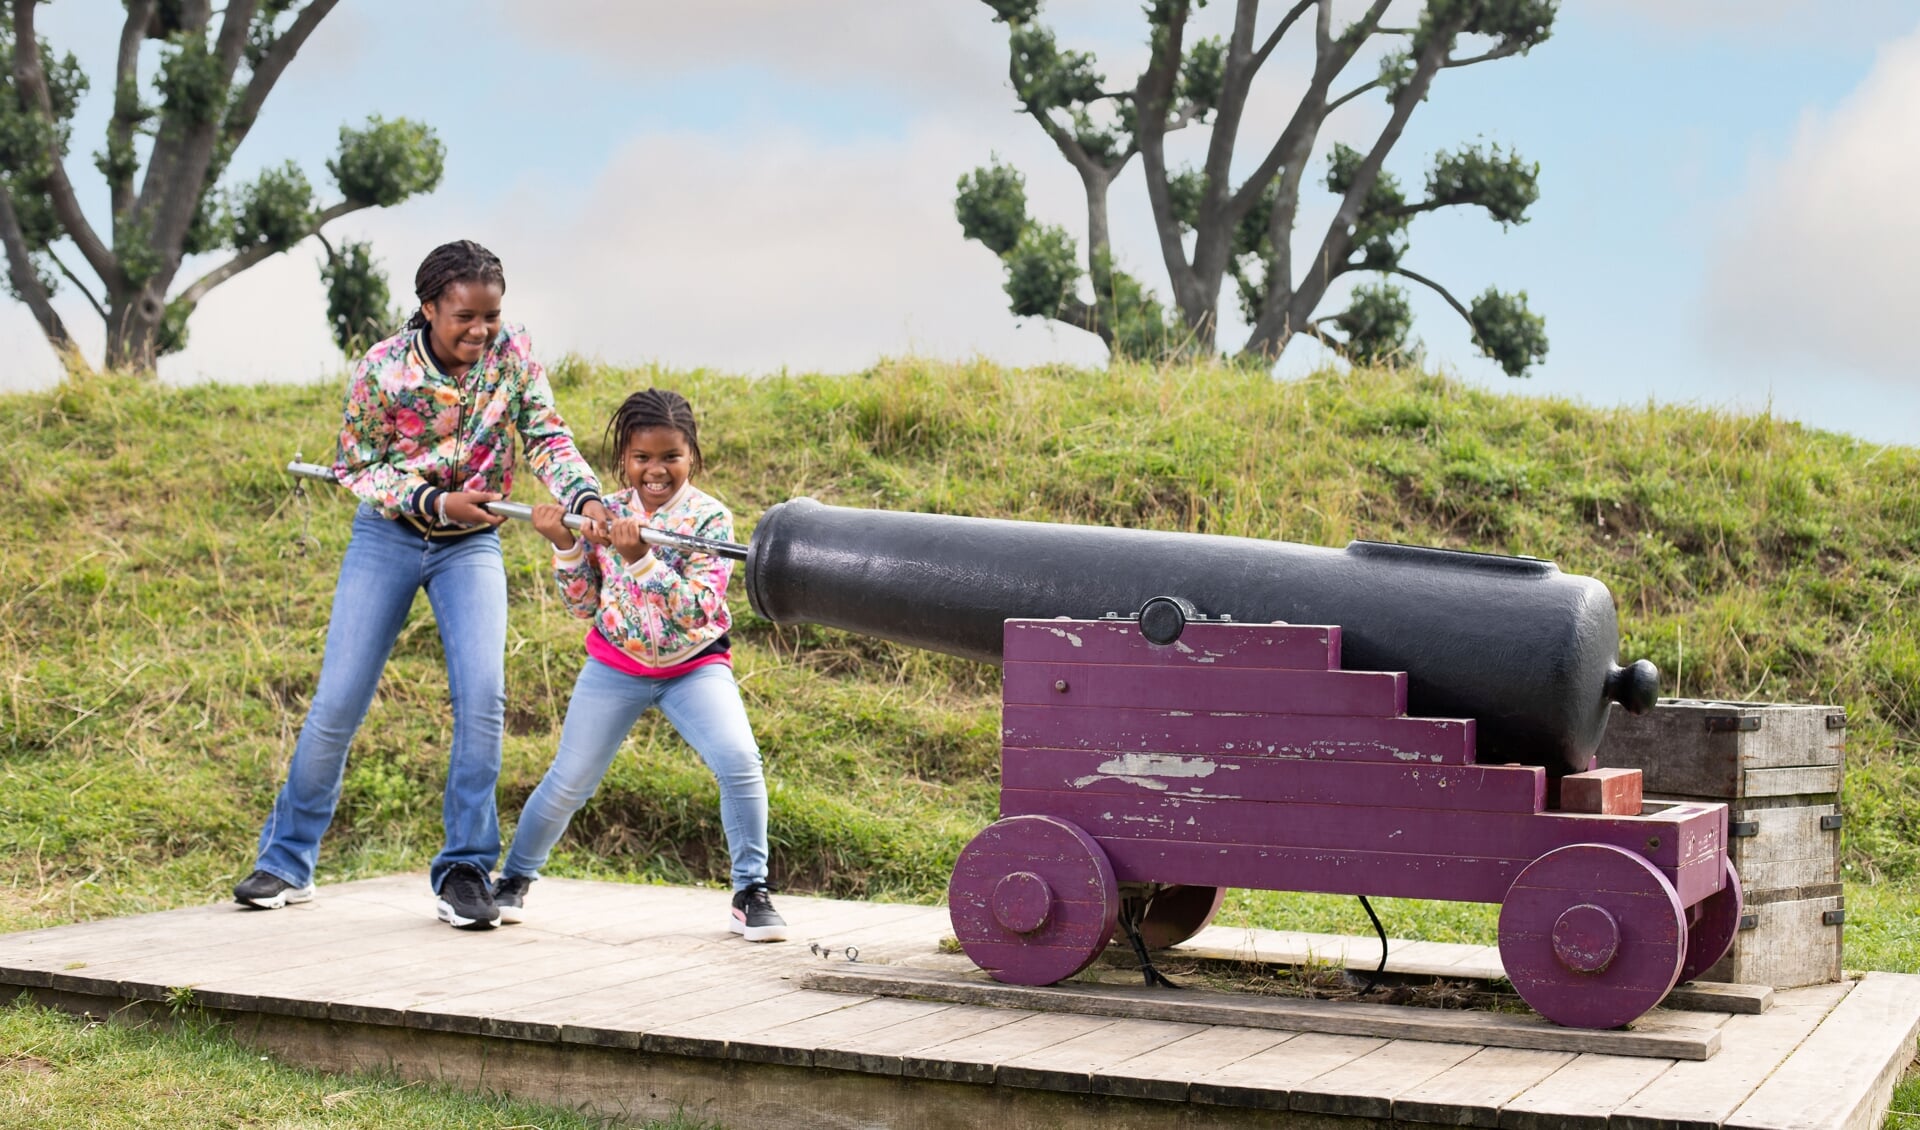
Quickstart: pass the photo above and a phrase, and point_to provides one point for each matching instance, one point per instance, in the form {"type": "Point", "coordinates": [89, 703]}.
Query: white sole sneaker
{"type": "Point", "coordinates": [445, 911]}
{"type": "Point", "coordinates": [511, 915]}
{"type": "Point", "coordinates": [758, 933]}
{"type": "Point", "coordinates": [290, 895]}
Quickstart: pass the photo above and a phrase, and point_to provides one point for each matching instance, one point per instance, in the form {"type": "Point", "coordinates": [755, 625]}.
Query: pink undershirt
{"type": "Point", "coordinates": [599, 647]}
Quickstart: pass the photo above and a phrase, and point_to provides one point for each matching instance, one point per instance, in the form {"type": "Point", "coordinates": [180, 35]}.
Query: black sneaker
{"type": "Point", "coordinates": [510, 895]}
{"type": "Point", "coordinates": [754, 917]}
{"type": "Point", "coordinates": [264, 891]}
{"type": "Point", "coordinates": [465, 902]}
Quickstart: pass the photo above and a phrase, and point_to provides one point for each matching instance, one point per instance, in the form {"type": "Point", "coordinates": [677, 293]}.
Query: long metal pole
{"type": "Point", "coordinates": [687, 543]}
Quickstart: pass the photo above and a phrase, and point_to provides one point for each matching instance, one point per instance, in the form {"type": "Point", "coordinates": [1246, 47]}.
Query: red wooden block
{"type": "Point", "coordinates": [1606, 792]}
{"type": "Point", "coordinates": [1297, 647]}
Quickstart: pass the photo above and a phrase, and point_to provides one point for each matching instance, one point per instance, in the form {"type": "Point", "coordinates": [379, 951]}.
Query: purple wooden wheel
{"type": "Point", "coordinates": [1711, 925]}
{"type": "Point", "coordinates": [1592, 935]}
{"type": "Point", "coordinates": [1033, 900]}
{"type": "Point", "coordinates": [1178, 913]}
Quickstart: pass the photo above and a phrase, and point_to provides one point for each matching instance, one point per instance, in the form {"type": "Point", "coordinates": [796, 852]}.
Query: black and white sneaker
{"type": "Point", "coordinates": [510, 896]}
{"type": "Point", "coordinates": [754, 917]}
{"type": "Point", "coordinates": [465, 901]}
{"type": "Point", "coordinates": [265, 891]}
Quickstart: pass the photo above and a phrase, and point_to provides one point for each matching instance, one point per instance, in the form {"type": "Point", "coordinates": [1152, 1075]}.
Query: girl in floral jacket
{"type": "Point", "coordinates": [659, 638]}
{"type": "Point", "coordinates": [425, 441]}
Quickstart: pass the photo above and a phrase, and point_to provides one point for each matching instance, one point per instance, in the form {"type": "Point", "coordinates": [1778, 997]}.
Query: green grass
{"type": "Point", "coordinates": [190, 1072]}
{"type": "Point", "coordinates": [165, 596]}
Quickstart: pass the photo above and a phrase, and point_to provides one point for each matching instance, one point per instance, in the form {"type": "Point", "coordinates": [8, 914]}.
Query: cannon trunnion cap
{"type": "Point", "coordinates": [1527, 651]}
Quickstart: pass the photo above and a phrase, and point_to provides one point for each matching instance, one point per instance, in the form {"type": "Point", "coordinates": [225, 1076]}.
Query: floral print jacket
{"type": "Point", "coordinates": [411, 432]}
{"type": "Point", "coordinates": [669, 605]}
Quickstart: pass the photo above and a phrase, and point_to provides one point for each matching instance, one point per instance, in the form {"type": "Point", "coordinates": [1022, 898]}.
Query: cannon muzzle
{"type": "Point", "coordinates": [1525, 650]}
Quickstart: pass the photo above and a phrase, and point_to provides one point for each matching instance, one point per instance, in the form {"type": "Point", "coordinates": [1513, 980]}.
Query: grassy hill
{"type": "Point", "coordinates": [165, 597]}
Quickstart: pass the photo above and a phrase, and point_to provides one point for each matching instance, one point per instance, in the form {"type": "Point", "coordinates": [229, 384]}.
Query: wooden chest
{"type": "Point", "coordinates": [1778, 769]}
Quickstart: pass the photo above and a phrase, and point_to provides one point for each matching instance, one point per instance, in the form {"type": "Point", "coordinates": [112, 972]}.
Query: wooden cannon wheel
{"type": "Point", "coordinates": [1711, 925]}
{"type": "Point", "coordinates": [1175, 912]}
{"type": "Point", "coordinates": [1592, 936]}
{"type": "Point", "coordinates": [1033, 900]}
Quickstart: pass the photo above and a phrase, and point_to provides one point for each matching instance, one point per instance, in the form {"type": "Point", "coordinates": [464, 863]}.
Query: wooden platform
{"type": "Point", "coordinates": [637, 1001]}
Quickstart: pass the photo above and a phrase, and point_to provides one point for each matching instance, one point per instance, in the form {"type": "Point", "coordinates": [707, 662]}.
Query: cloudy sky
{"type": "Point", "coordinates": [753, 185]}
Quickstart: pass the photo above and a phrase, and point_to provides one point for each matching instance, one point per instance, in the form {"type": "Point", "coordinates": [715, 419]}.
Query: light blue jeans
{"type": "Point", "coordinates": [704, 705]}
{"type": "Point", "coordinates": [385, 564]}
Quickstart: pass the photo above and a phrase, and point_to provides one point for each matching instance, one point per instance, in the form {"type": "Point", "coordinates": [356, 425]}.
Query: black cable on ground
{"type": "Point", "coordinates": [1374, 978]}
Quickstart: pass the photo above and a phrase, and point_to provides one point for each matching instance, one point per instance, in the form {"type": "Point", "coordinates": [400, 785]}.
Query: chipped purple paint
{"type": "Point", "coordinates": [1298, 647]}
{"type": "Point", "coordinates": [1376, 694]}
{"type": "Point", "coordinates": [1652, 935]}
{"type": "Point", "coordinates": [1585, 938]}
{"type": "Point", "coordinates": [1200, 729]}
{"type": "Point", "coordinates": [1021, 902]}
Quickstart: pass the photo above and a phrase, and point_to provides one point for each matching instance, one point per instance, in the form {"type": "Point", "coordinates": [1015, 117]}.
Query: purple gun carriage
{"type": "Point", "coordinates": [1373, 720]}
{"type": "Point", "coordinates": [1241, 755]}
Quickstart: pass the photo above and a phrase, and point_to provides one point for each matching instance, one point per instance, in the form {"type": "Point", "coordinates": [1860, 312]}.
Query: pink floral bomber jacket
{"type": "Point", "coordinates": [411, 432]}
{"type": "Point", "coordinates": [667, 606]}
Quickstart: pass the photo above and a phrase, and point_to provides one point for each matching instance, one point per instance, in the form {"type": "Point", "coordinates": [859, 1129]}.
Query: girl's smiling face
{"type": "Point", "coordinates": [462, 321]}
{"type": "Point", "coordinates": [656, 464]}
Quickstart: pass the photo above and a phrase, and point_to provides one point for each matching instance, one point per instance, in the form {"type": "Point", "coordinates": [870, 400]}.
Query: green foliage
{"type": "Point", "coordinates": [1042, 271]}
{"type": "Point", "coordinates": [359, 308]}
{"type": "Point", "coordinates": [1504, 185]}
{"type": "Point", "coordinates": [1376, 322]}
{"type": "Point", "coordinates": [172, 337]}
{"type": "Point", "coordinates": [1512, 335]}
{"type": "Point", "coordinates": [387, 161]}
{"type": "Point", "coordinates": [275, 211]}
{"type": "Point", "coordinates": [1201, 74]}
{"type": "Point", "coordinates": [1380, 229]}
{"type": "Point", "coordinates": [189, 84]}
{"type": "Point", "coordinates": [1046, 78]}
{"type": "Point", "coordinates": [991, 206]}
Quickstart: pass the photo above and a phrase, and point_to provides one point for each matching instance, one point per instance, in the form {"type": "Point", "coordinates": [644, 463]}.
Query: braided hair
{"type": "Point", "coordinates": [654, 408]}
{"type": "Point", "coordinates": [463, 260]}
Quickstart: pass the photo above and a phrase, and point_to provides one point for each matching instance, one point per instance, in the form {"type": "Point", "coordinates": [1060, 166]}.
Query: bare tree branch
{"type": "Point", "coordinates": [30, 75]}
{"type": "Point", "coordinates": [240, 262]}
{"type": "Point", "coordinates": [1354, 93]}
{"type": "Point", "coordinates": [268, 71]}
{"type": "Point", "coordinates": [1153, 93]}
{"type": "Point", "coordinates": [1500, 52]}
{"type": "Point", "coordinates": [1279, 33]}
{"type": "Point", "coordinates": [26, 284]}
{"type": "Point", "coordinates": [77, 284]}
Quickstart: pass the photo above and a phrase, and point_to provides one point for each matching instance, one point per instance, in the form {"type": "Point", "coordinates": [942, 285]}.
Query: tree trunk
{"type": "Point", "coordinates": [133, 332]}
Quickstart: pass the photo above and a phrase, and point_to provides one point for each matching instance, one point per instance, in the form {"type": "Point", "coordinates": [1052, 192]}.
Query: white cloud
{"type": "Point", "coordinates": [1817, 257]}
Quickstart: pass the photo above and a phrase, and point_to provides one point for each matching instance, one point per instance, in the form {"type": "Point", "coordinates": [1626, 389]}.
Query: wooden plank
{"type": "Point", "coordinates": [1265, 1079]}
{"type": "Point", "coordinates": [1789, 849]}
{"type": "Point", "coordinates": [797, 1042]}
{"type": "Point", "coordinates": [1274, 733]}
{"type": "Point", "coordinates": [1671, 841]}
{"type": "Point", "coordinates": [1070, 1064]}
{"type": "Point", "coordinates": [1692, 1094]}
{"type": "Point", "coordinates": [1790, 945]}
{"type": "Point", "coordinates": [1377, 694]}
{"type": "Point", "coordinates": [1607, 792]}
{"type": "Point", "coordinates": [1653, 1036]}
{"type": "Point", "coordinates": [975, 1058]}
{"type": "Point", "coordinates": [1367, 1086]}
{"type": "Point", "coordinates": [1300, 647]}
{"type": "Point", "coordinates": [1473, 788]}
{"type": "Point", "coordinates": [1791, 782]}
{"type": "Point", "coordinates": [717, 1032]}
{"type": "Point", "coordinates": [1843, 1076]}
{"type": "Point", "coordinates": [1680, 755]}
{"type": "Point", "coordinates": [884, 1050]}
{"type": "Point", "coordinates": [1474, 1091]}
{"type": "Point", "coordinates": [1167, 1072]}
{"type": "Point", "coordinates": [1581, 1095]}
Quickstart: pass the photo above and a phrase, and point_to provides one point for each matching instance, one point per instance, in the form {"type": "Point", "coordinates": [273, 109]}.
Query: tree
{"type": "Point", "coordinates": [211, 83]}
{"type": "Point", "coordinates": [1212, 227]}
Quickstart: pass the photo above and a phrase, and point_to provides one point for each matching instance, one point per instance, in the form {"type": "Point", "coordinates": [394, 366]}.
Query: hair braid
{"type": "Point", "coordinates": [463, 260]}
{"type": "Point", "coordinates": [653, 408]}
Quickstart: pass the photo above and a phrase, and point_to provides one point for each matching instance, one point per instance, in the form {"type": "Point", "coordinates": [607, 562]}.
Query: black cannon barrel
{"type": "Point", "coordinates": [1512, 642]}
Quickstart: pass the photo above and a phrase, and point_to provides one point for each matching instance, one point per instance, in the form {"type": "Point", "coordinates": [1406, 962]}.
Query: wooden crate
{"type": "Point", "coordinates": [1778, 768]}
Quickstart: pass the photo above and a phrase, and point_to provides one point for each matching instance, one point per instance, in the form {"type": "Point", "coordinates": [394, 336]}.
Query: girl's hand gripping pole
{"type": "Point", "coordinates": [687, 543]}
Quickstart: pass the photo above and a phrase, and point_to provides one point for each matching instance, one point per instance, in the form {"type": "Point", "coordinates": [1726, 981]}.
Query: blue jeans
{"type": "Point", "coordinates": [704, 705]}
{"type": "Point", "coordinates": [385, 564]}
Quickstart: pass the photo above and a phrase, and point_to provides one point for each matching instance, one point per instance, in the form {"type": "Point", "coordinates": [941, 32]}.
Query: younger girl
{"type": "Point", "coordinates": [659, 638]}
